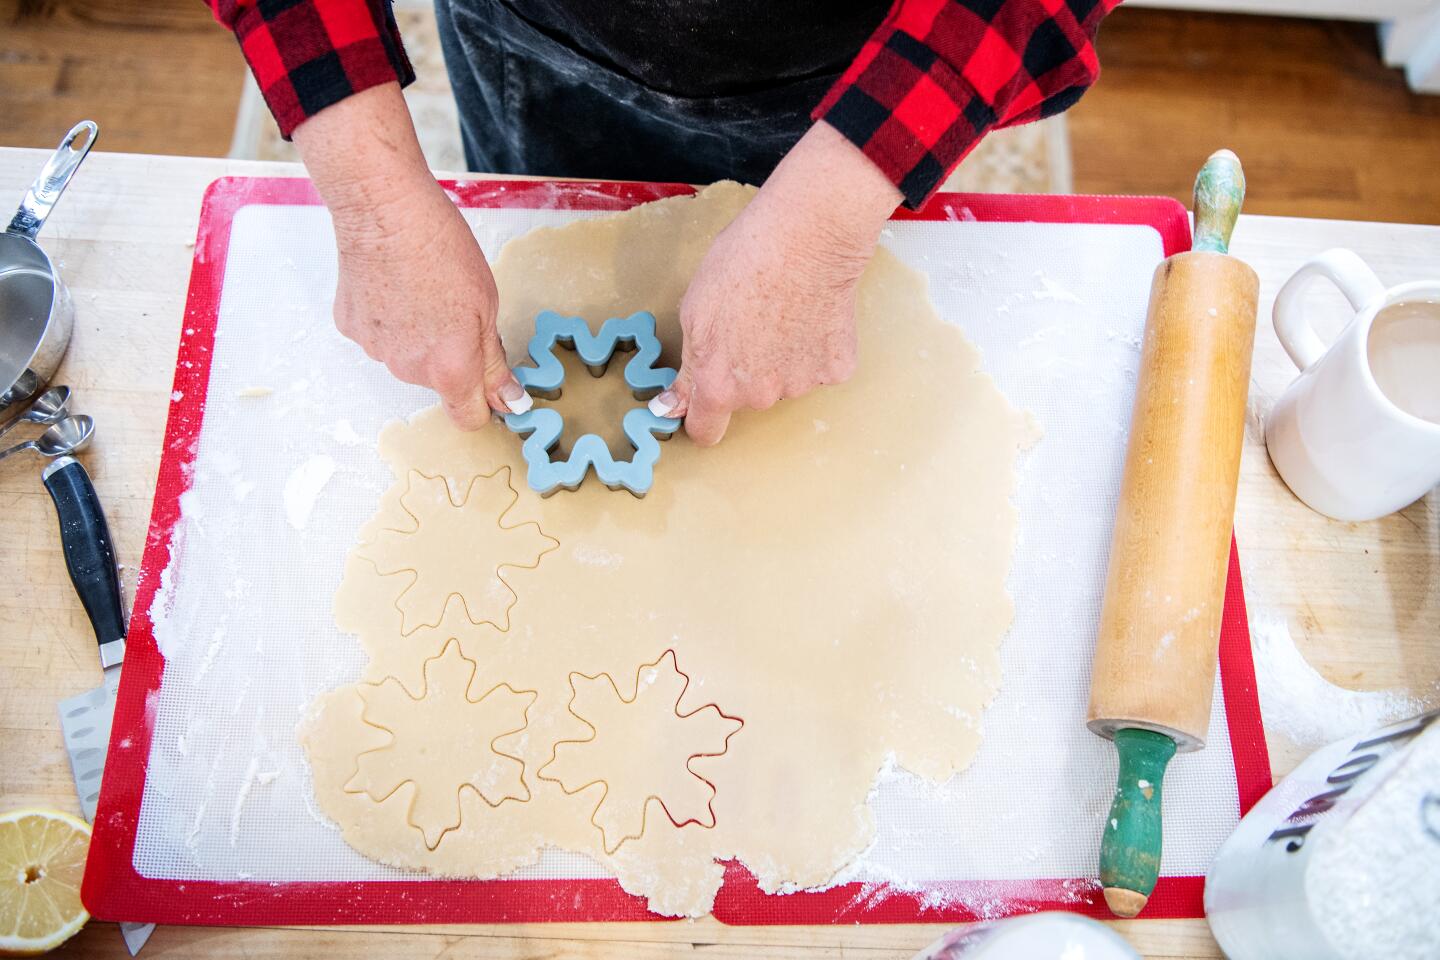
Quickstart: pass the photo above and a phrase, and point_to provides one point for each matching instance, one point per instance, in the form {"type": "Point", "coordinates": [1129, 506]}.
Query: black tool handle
{"type": "Point", "coordinates": [89, 551]}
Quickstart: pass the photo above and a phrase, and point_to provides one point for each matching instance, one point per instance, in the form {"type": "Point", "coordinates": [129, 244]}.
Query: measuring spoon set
{"type": "Point", "coordinates": [65, 433]}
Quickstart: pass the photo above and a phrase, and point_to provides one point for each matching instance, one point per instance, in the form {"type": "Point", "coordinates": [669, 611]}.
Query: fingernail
{"type": "Point", "coordinates": [515, 397]}
{"type": "Point", "coordinates": [662, 405]}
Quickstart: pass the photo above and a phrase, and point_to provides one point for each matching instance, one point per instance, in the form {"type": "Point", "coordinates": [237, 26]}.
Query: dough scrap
{"type": "Point", "coordinates": [833, 573]}
{"type": "Point", "coordinates": [629, 779]}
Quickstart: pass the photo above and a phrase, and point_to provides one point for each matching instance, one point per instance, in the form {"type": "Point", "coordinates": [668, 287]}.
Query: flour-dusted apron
{"type": "Point", "coordinates": [670, 90]}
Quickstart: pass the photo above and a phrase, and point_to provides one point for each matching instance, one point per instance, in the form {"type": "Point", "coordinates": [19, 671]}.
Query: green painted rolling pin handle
{"type": "Point", "coordinates": [1219, 193]}
{"type": "Point", "coordinates": [1130, 845]}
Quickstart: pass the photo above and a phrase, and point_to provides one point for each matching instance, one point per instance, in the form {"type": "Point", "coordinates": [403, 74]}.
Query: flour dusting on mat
{"type": "Point", "coordinates": [168, 640]}
{"type": "Point", "coordinates": [303, 489]}
{"type": "Point", "coordinates": [344, 432]}
{"type": "Point", "coordinates": [246, 784]}
{"type": "Point", "coordinates": [1050, 290]}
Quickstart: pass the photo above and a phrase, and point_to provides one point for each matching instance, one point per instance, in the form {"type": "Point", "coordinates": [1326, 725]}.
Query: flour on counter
{"type": "Point", "coordinates": [303, 488]}
{"type": "Point", "coordinates": [1301, 704]}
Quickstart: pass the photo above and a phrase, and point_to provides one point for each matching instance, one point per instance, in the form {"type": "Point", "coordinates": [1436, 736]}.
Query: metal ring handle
{"type": "Point", "coordinates": [45, 192]}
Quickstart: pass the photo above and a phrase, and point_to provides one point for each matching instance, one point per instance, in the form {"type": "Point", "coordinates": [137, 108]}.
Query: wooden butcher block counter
{"type": "Point", "coordinates": [1360, 602]}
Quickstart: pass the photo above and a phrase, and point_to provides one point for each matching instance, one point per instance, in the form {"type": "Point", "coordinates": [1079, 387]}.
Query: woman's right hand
{"type": "Point", "coordinates": [414, 289]}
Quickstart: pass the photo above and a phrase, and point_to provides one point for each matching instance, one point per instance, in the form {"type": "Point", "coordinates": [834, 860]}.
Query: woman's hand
{"type": "Point", "coordinates": [414, 289]}
{"type": "Point", "coordinates": [416, 293]}
{"type": "Point", "coordinates": [770, 313]}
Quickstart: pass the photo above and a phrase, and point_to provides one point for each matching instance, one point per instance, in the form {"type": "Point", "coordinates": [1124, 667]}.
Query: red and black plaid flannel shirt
{"type": "Point", "coordinates": [938, 74]}
{"type": "Point", "coordinates": [309, 54]}
{"type": "Point", "coordinates": [925, 88]}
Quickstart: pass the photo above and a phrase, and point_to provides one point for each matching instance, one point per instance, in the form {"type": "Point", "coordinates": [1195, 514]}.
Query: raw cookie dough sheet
{"type": "Point", "coordinates": [209, 811]}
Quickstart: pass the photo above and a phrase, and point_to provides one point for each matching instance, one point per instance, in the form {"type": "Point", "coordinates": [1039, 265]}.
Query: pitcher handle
{"type": "Point", "coordinates": [1341, 267]}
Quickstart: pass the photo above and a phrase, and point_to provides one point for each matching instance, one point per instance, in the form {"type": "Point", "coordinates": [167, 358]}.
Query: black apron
{"type": "Point", "coordinates": [669, 90]}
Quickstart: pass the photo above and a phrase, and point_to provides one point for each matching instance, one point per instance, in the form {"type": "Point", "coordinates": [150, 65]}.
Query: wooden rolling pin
{"type": "Point", "coordinates": [1155, 658]}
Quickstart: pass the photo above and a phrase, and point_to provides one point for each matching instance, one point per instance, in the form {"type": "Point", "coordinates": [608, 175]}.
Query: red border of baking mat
{"type": "Point", "coordinates": [113, 889]}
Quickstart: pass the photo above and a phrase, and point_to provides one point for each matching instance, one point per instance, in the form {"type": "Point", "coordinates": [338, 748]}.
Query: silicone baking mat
{"type": "Point", "coordinates": [206, 814]}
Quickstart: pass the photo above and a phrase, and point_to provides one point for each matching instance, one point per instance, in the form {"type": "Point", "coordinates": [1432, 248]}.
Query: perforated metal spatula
{"type": "Point", "coordinates": [90, 560]}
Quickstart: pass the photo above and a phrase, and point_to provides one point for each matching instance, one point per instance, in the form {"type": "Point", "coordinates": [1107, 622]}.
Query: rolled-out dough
{"type": "Point", "coordinates": [457, 703]}
{"type": "Point", "coordinates": [831, 576]}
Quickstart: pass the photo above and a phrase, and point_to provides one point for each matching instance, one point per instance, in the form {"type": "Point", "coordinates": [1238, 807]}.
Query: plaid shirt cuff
{"type": "Point", "coordinates": [938, 74]}
{"type": "Point", "coordinates": [309, 54]}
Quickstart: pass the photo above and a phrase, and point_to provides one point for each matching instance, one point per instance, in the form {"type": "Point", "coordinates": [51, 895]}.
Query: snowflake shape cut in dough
{"type": "Point", "coordinates": [443, 741]}
{"type": "Point", "coordinates": [542, 428]}
{"type": "Point", "coordinates": [457, 549]}
{"type": "Point", "coordinates": [640, 750]}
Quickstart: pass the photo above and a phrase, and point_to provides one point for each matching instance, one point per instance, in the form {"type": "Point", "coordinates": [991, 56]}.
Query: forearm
{"type": "Point", "coordinates": [413, 288]}
{"type": "Point", "coordinates": [828, 179]}
{"type": "Point", "coordinates": [364, 157]}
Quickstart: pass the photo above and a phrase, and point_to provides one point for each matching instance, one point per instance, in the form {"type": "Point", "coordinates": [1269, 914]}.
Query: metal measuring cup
{"type": "Point", "coordinates": [36, 312]}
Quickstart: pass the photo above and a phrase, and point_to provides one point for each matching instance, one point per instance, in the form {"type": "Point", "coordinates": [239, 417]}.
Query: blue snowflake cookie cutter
{"type": "Point", "coordinates": [542, 427]}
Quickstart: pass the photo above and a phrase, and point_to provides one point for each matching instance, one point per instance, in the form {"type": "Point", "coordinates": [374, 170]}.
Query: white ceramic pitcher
{"type": "Point", "coordinates": [1357, 435]}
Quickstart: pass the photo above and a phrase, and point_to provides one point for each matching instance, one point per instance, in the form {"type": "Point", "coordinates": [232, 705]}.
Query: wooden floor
{"type": "Point", "coordinates": [1324, 128]}
{"type": "Point", "coordinates": [159, 76]}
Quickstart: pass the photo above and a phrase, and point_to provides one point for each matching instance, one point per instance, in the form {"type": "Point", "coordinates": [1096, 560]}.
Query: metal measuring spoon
{"type": "Point", "coordinates": [66, 436]}
{"type": "Point", "coordinates": [49, 407]}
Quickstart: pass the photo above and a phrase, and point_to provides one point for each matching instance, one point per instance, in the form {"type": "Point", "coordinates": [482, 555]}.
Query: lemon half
{"type": "Point", "coordinates": [42, 860]}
